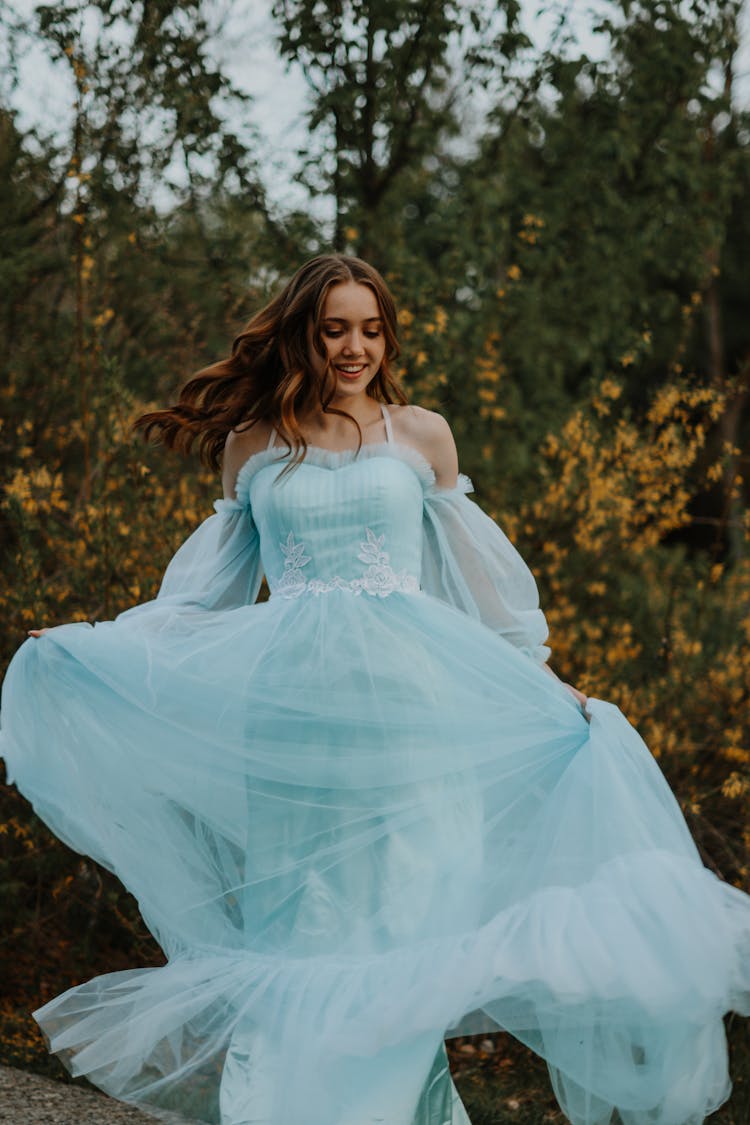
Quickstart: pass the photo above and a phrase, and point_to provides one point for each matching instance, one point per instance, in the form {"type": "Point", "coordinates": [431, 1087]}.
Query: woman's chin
{"type": "Point", "coordinates": [345, 386]}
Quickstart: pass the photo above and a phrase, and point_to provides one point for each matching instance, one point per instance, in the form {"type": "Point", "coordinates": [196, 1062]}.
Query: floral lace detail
{"type": "Point", "coordinates": [292, 582]}
{"type": "Point", "coordinates": [378, 580]}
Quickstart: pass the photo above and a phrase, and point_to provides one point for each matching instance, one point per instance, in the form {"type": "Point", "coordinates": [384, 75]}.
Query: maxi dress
{"type": "Point", "coordinates": [360, 817]}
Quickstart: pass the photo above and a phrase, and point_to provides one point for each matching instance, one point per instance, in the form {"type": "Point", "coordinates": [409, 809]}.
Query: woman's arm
{"type": "Point", "coordinates": [436, 441]}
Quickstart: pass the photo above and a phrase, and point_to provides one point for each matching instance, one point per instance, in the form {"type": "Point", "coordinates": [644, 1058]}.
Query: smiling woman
{"type": "Point", "coordinates": [349, 341]}
{"type": "Point", "coordinates": [352, 329]}
{"type": "Point", "coordinates": [364, 815]}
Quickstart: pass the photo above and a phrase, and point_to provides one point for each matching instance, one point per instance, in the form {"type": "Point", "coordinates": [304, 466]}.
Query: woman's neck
{"type": "Point", "coordinates": [365, 410]}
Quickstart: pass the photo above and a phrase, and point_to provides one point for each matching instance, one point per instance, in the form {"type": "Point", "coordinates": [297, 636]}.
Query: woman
{"type": "Point", "coordinates": [364, 814]}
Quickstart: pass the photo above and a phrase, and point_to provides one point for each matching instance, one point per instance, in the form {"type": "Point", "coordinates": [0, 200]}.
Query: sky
{"type": "Point", "coordinates": [43, 96]}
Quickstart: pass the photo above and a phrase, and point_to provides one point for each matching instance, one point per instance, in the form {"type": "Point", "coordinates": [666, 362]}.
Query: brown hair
{"type": "Point", "coordinates": [269, 374]}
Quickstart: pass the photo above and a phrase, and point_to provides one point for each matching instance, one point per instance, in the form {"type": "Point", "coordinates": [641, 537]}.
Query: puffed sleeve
{"type": "Point", "coordinates": [218, 566]}
{"type": "Point", "coordinates": [470, 563]}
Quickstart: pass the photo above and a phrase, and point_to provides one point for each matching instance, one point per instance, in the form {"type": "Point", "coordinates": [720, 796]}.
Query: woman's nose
{"type": "Point", "coordinates": [353, 342]}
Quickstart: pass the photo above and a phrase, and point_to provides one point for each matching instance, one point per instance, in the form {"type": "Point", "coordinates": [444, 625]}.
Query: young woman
{"type": "Point", "coordinates": [364, 814]}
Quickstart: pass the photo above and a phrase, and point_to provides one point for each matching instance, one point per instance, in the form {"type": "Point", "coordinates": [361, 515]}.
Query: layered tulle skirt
{"type": "Point", "coordinates": [357, 825]}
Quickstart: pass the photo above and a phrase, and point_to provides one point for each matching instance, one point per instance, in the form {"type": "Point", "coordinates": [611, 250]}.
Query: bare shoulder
{"type": "Point", "coordinates": [240, 444]}
{"type": "Point", "coordinates": [431, 435]}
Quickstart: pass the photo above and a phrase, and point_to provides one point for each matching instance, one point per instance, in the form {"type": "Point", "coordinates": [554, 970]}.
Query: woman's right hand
{"type": "Point", "coordinates": [36, 632]}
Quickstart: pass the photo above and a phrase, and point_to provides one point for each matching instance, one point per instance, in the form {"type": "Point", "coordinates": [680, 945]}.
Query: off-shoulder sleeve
{"type": "Point", "coordinates": [218, 566]}
{"type": "Point", "coordinates": [468, 561]}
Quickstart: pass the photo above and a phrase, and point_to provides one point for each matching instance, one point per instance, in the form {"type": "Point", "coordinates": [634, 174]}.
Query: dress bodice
{"type": "Point", "coordinates": [372, 521]}
{"type": "Point", "coordinates": [339, 520]}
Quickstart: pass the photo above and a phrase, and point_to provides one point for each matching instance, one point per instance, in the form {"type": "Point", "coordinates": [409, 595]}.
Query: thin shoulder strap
{"type": "Point", "coordinates": [387, 420]}
{"type": "Point", "coordinates": [272, 437]}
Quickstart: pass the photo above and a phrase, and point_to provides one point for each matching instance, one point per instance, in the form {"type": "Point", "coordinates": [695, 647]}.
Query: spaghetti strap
{"type": "Point", "coordinates": [272, 437]}
{"type": "Point", "coordinates": [387, 420]}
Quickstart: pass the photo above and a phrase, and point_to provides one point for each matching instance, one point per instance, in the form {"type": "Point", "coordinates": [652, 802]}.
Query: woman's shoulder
{"type": "Point", "coordinates": [416, 423]}
{"type": "Point", "coordinates": [242, 442]}
{"type": "Point", "coordinates": [429, 433]}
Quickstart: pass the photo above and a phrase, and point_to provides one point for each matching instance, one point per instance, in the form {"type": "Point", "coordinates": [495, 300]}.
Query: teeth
{"type": "Point", "coordinates": [350, 370]}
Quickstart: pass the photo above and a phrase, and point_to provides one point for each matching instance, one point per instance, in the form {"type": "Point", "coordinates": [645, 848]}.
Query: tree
{"type": "Point", "coordinates": [386, 77]}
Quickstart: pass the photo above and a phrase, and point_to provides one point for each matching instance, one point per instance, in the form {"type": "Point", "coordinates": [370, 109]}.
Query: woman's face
{"type": "Point", "coordinates": [351, 329]}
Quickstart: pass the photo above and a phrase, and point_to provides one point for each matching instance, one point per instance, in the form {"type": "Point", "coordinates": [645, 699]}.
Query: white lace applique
{"type": "Point", "coordinates": [293, 582]}
{"type": "Point", "coordinates": [378, 580]}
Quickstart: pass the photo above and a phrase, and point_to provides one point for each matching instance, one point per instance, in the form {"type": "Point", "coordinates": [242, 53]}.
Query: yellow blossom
{"type": "Point", "coordinates": [104, 317]}
{"type": "Point", "coordinates": [610, 388]}
{"type": "Point", "coordinates": [737, 754]}
{"type": "Point", "coordinates": [19, 487]}
{"type": "Point", "coordinates": [734, 786]}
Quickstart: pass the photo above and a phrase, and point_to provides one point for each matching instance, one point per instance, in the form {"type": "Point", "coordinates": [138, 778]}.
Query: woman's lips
{"type": "Point", "coordinates": [355, 374]}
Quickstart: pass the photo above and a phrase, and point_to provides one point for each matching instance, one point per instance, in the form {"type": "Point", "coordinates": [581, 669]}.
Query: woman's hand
{"type": "Point", "coordinates": [36, 632]}
{"type": "Point", "coordinates": [579, 697]}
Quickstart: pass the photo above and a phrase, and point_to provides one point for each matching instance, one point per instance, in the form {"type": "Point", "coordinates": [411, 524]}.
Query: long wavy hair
{"type": "Point", "coordinates": [269, 375]}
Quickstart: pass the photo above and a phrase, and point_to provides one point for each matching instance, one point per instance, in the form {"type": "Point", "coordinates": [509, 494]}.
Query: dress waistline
{"type": "Point", "coordinates": [378, 585]}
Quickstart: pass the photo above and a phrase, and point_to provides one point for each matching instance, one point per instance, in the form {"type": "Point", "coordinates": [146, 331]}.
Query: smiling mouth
{"type": "Point", "coordinates": [350, 369]}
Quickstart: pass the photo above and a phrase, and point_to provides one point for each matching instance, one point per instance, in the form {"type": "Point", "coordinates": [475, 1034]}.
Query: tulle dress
{"type": "Point", "coordinates": [361, 817]}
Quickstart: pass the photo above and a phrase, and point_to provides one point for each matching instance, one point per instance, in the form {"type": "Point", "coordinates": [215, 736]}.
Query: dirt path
{"type": "Point", "coordinates": [27, 1099]}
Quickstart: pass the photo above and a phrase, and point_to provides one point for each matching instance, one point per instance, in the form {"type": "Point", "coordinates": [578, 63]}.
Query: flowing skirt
{"type": "Point", "coordinates": [356, 826]}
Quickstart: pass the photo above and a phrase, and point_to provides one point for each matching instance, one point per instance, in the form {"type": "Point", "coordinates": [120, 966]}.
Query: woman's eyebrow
{"type": "Point", "coordinates": [343, 320]}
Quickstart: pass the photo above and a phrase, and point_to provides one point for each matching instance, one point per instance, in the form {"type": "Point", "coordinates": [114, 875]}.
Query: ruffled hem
{"type": "Point", "coordinates": [577, 973]}
{"type": "Point", "coordinates": [618, 978]}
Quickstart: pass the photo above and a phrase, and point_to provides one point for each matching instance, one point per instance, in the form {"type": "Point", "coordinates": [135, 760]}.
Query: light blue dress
{"type": "Point", "coordinates": [360, 817]}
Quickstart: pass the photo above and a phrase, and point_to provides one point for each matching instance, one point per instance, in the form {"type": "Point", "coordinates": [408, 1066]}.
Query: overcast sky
{"type": "Point", "coordinates": [247, 50]}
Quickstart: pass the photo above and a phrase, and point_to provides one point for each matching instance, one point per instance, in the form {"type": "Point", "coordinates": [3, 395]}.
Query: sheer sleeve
{"type": "Point", "coordinates": [218, 566]}
{"type": "Point", "coordinates": [469, 562]}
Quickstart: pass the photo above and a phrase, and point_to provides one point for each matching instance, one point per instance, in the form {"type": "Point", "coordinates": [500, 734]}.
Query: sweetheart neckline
{"type": "Point", "coordinates": [338, 458]}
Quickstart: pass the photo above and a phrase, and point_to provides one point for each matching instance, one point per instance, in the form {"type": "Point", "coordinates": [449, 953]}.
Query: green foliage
{"type": "Point", "coordinates": [383, 81]}
{"type": "Point", "coordinates": [589, 192]}
{"type": "Point", "coordinates": [147, 94]}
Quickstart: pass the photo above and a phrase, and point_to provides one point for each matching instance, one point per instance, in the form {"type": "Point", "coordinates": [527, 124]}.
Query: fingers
{"type": "Point", "coordinates": [36, 632]}
{"type": "Point", "coordinates": [580, 699]}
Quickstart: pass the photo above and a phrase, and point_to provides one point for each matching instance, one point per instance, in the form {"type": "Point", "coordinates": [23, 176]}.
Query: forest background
{"type": "Point", "coordinates": [567, 239]}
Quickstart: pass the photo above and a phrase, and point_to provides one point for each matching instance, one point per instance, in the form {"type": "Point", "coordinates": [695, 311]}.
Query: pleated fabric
{"type": "Point", "coordinates": [361, 817]}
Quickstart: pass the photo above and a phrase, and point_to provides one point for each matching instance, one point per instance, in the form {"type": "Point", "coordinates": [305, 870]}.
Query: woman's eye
{"type": "Point", "coordinates": [334, 334]}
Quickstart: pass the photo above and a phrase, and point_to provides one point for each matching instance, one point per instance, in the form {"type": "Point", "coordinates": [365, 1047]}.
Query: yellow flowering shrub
{"type": "Point", "coordinates": [639, 615]}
